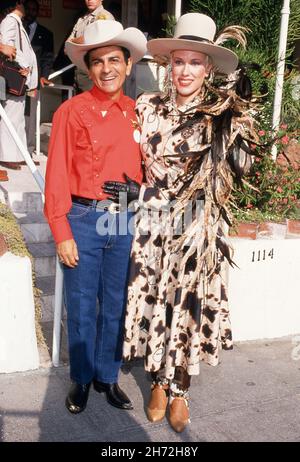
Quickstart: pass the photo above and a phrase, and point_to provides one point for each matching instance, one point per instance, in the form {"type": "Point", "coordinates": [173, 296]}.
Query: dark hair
{"type": "Point", "coordinates": [86, 57]}
{"type": "Point", "coordinates": [8, 5]}
{"type": "Point", "coordinates": [32, 1]}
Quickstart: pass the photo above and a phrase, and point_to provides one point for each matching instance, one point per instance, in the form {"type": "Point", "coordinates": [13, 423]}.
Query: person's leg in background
{"type": "Point", "coordinates": [30, 122]}
{"type": "Point", "coordinates": [10, 156]}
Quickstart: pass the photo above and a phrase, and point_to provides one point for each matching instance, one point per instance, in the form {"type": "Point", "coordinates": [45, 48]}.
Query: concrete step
{"type": "Point", "coordinates": [44, 258]}
{"type": "Point", "coordinates": [47, 285]}
{"type": "Point", "coordinates": [24, 202]}
{"type": "Point", "coordinates": [47, 328]}
{"type": "Point", "coordinates": [22, 193]}
{"type": "Point", "coordinates": [45, 136]}
{"type": "Point", "coordinates": [34, 227]}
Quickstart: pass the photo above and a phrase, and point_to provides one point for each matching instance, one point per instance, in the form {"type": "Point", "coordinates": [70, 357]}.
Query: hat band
{"type": "Point", "coordinates": [195, 38]}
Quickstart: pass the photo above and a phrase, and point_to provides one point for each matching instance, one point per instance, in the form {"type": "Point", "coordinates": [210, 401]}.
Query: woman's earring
{"type": "Point", "coordinates": [172, 89]}
{"type": "Point", "coordinates": [167, 80]}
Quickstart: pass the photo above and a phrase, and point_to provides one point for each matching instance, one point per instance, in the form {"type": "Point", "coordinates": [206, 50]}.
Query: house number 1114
{"type": "Point", "coordinates": [262, 255]}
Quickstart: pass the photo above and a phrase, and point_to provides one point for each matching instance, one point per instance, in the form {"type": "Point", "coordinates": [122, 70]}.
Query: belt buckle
{"type": "Point", "coordinates": [113, 208]}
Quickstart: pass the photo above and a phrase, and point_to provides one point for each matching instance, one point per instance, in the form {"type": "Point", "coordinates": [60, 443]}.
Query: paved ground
{"type": "Point", "coordinates": [253, 395]}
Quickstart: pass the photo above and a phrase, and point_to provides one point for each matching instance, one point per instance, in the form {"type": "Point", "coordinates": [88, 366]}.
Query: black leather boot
{"type": "Point", "coordinates": [115, 396]}
{"type": "Point", "coordinates": [77, 397]}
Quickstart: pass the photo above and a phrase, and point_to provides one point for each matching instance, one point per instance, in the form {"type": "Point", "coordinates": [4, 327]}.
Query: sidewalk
{"type": "Point", "coordinates": [253, 395]}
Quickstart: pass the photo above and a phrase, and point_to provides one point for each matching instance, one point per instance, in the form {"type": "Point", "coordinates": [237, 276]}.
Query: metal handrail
{"type": "Point", "coordinates": [58, 304]}
{"type": "Point", "coordinates": [38, 109]}
{"type": "Point", "coordinates": [59, 277]}
{"type": "Point", "coordinates": [54, 86]}
{"type": "Point", "coordinates": [61, 71]}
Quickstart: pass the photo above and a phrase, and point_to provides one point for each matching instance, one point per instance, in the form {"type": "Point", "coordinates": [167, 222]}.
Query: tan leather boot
{"type": "Point", "coordinates": [179, 415]}
{"type": "Point", "coordinates": [157, 406]}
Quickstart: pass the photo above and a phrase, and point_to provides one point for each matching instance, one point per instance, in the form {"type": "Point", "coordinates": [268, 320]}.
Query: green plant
{"type": "Point", "coordinates": [262, 18]}
{"type": "Point", "coordinates": [170, 26]}
{"type": "Point", "coordinates": [272, 191]}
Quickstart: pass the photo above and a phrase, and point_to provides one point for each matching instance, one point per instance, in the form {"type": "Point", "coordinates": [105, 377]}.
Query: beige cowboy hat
{"type": "Point", "coordinates": [196, 32]}
{"type": "Point", "coordinates": [102, 33]}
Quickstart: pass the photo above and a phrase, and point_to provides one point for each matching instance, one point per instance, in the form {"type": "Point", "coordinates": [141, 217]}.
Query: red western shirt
{"type": "Point", "coordinates": [93, 140]}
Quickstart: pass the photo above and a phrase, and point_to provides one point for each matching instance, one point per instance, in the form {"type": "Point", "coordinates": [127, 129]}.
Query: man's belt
{"type": "Point", "coordinates": [105, 205]}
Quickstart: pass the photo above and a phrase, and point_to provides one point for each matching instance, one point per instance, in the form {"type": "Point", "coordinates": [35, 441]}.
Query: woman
{"type": "Point", "coordinates": [177, 311]}
{"type": "Point", "coordinates": [13, 33]}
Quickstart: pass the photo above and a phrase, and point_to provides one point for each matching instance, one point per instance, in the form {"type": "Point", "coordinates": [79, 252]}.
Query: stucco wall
{"type": "Point", "coordinates": [264, 288]}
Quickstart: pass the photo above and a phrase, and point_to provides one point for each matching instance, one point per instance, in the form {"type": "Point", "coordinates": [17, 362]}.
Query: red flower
{"type": "Point", "coordinates": [261, 133]}
{"type": "Point", "coordinates": [285, 139]}
{"type": "Point", "coordinates": [279, 189]}
{"type": "Point", "coordinates": [283, 126]}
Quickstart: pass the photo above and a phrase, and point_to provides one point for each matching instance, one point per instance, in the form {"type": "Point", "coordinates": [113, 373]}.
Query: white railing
{"type": "Point", "coordinates": [285, 13]}
{"type": "Point", "coordinates": [58, 304]}
{"type": "Point", "coordinates": [67, 88]}
{"type": "Point", "coordinates": [55, 86]}
{"type": "Point", "coordinates": [59, 276]}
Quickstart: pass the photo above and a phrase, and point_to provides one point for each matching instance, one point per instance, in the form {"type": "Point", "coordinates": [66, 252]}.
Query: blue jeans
{"type": "Point", "coordinates": [96, 337]}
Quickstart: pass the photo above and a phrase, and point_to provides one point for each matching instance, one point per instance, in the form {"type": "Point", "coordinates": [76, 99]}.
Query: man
{"type": "Point", "coordinates": [13, 33]}
{"type": "Point", "coordinates": [10, 53]}
{"type": "Point", "coordinates": [94, 12]}
{"type": "Point", "coordinates": [41, 40]}
{"type": "Point", "coordinates": [93, 140]}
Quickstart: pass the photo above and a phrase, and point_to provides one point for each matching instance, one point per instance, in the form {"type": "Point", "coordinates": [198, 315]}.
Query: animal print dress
{"type": "Point", "coordinates": [177, 311]}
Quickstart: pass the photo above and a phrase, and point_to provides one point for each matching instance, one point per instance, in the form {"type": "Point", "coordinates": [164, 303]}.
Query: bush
{"type": "Point", "coordinates": [263, 18]}
{"type": "Point", "coordinates": [272, 191]}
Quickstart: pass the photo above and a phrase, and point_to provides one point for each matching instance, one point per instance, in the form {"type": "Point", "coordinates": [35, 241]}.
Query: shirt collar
{"type": "Point", "coordinates": [188, 108]}
{"type": "Point", "coordinates": [97, 11]}
{"type": "Point", "coordinates": [107, 102]}
{"type": "Point", "coordinates": [16, 17]}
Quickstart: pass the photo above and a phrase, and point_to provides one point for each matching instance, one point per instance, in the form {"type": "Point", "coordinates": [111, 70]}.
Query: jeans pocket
{"type": "Point", "coordinates": [78, 211]}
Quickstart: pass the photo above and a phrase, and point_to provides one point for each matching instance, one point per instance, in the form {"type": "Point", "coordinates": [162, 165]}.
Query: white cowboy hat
{"type": "Point", "coordinates": [196, 32]}
{"type": "Point", "coordinates": [102, 33]}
